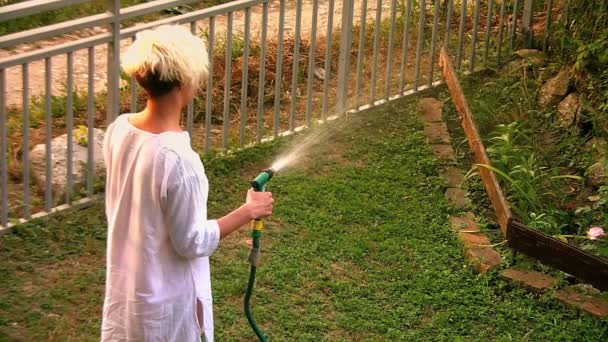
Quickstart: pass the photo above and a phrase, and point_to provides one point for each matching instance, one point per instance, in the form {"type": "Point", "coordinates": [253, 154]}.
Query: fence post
{"type": "Point", "coordinates": [346, 40]}
{"type": "Point", "coordinates": [113, 65]}
{"type": "Point", "coordinates": [527, 19]}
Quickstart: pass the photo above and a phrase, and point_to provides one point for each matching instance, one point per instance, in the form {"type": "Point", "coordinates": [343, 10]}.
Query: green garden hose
{"type": "Point", "coordinates": [258, 184]}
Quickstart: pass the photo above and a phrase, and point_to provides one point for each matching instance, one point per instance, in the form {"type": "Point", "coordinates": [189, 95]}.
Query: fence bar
{"type": "Point", "coordinates": [360, 53]}
{"type": "Point", "coordinates": [344, 59]}
{"type": "Point", "coordinates": [49, 124]}
{"type": "Point", "coordinates": [513, 25]}
{"type": "Point", "coordinates": [488, 32]}
{"type": "Point", "coordinates": [262, 78]}
{"type": "Point", "coordinates": [434, 42]}
{"type": "Point", "coordinates": [311, 62]}
{"type": "Point", "coordinates": [279, 76]}
{"type": "Point", "coordinates": [377, 29]}
{"type": "Point", "coordinates": [190, 109]}
{"type": "Point", "coordinates": [150, 7]}
{"type": "Point", "coordinates": [133, 85]}
{"type": "Point", "coordinates": [475, 29]}
{"type": "Point", "coordinates": [26, 137]}
{"type": "Point", "coordinates": [448, 25]}
{"type": "Point", "coordinates": [526, 20]}
{"type": "Point", "coordinates": [113, 66]}
{"type": "Point", "coordinates": [54, 30]}
{"type": "Point", "coordinates": [327, 73]}
{"type": "Point", "coordinates": [3, 148]}
{"type": "Point", "coordinates": [389, 64]}
{"type": "Point", "coordinates": [501, 30]}
{"type": "Point", "coordinates": [105, 38]}
{"type": "Point", "coordinates": [70, 129]}
{"type": "Point", "coordinates": [245, 76]}
{"type": "Point", "coordinates": [405, 51]}
{"type": "Point", "coordinates": [548, 26]}
{"type": "Point", "coordinates": [296, 64]}
{"type": "Point", "coordinates": [463, 20]}
{"type": "Point", "coordinates": [91, 123]}
{"type": "Point", "coordinates": [227, 82]}
{"type": "Point", "coordinates": [419, 43]}
{"type": "Point", "coordinates": [26, 8]}
{"type": "Point", "coordinates": [209, 98]}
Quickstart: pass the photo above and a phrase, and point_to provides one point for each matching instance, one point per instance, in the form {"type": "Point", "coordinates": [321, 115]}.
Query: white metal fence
{"type": "Point", "coordinates": [277, 67]}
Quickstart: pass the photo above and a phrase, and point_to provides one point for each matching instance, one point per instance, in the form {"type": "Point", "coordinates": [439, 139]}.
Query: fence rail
{"type": "Point", "coordinates": [277, 67]}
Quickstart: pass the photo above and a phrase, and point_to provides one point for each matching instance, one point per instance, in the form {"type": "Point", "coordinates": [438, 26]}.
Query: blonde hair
{"type": "Point", "coordinates": [165, 57]}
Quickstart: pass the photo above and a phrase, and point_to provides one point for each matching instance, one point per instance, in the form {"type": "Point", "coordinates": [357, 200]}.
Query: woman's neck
{"type": "Point", "coordinates": [162, 114]}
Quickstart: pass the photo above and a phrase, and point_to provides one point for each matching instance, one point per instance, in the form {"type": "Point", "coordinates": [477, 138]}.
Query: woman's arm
{"type": "Point", "coordinates": [257, 205]}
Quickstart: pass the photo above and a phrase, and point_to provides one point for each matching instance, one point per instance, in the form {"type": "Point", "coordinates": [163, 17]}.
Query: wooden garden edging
{"type": "Point", "coordinates": [551, 251]}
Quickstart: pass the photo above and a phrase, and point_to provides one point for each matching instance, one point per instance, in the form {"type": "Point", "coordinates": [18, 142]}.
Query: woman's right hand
{"type": "Point", "coordinates": [259, 204]}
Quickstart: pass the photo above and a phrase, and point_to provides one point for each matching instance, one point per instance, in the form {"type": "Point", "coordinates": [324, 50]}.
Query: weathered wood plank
{"type": "Point", "coordinates": [490, 181]}
{"type": "Point", "coordinates": [583, 265]}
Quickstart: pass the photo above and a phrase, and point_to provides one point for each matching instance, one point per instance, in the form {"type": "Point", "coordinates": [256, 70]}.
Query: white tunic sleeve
{"type": "Point", "coordinates": [185, 206]}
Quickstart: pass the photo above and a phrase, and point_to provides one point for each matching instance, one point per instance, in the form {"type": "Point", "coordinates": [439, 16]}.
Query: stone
{"type": "Point", "coordinates": [531, 56]}
{"type": "Point", "coordinates": [457, 197]}
{"type": "Point", "coordinates": [453, 176]}
{"type": "Point", "coordinates": [515, 66]}
{"type": "Point", "coordinates": [598, 173]}
{"type": "Point", "coordinates": [320, 73]}
{"type": "Point", "coordinates": [443, 152]}
{"type": "Point", "coordinates": [431, 108]}
{"type": "Point", "coordinates": [592, 304]}
{"type": "Point", "coordinates": [215, 131]}
{"type": "Point", "coordinates": [598, 147]}
{"type": "Point", "coordinates": [59, 146]}
{"type": "Point", "coordinates": [569, 110]}
{"type": "Point", "coordinates": [474, 239]}
{"type": "Point", "coordinates": [464, 221]}
{"type": "Point", "coordinates": [437, 132]}
{"type": "Point", "coordinates": [485, 259]}
{"type": "Point", "coordinates": [532, 280]}
{"type": "Point", "coordinates": [555, 89]}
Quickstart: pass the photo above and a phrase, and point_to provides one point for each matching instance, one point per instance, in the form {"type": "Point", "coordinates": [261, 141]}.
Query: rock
{"type": "Point", "coordinates": [569, 110]}
{"type": "Point", "coordinates": [598, 173]}
{"type": "Point", "coordinates": [484, 259]}
{"type": "Point", "coordinates": [535, 281]}
{"type": "Point", "coordinates": [555, 89]}
{"type": "Point", "coordinates": [598, 147]}
{"type": "Point", "coordinates": [527, 58]}
{"type": "Point", "coordinates": [215, 131]}
{"type": "Point", "coordinates": [453, 176]}
{"type": "Point", "coordinates": [531, 56]}
{"type": "Point", "coordinates": [59, 146]}
{"type": "Point", "coordinates": [457, 197]}
{"type": "Point", "coordinates": [320, 73]}
{"type": "Point", "coordinates": [591, 303]}
{"type": "Point", "coordinates": [431, 109]}
{"type": "Point", "coordinates": [443, 152]}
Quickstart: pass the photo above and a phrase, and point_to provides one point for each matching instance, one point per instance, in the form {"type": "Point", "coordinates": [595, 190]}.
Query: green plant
{"type": "Point", "coordinates": [81, 135]}
{"type": "Point", "coordinates": [532, 188]}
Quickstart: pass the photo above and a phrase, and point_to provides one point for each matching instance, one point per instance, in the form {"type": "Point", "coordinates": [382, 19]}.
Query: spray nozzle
{"type": "Point", "coordinates": [259, 183]}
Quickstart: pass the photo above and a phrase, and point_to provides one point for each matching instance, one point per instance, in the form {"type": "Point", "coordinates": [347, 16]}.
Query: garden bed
{"type": "Point", "coordinates": [528, 168]}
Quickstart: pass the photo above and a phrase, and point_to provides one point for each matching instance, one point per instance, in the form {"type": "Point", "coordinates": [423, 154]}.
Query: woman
{"type": "Point", "coordinates": [158, 284]}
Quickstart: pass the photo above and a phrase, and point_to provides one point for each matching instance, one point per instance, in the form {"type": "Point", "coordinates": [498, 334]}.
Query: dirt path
{"type": "Point", "coordinates": [81, 59]}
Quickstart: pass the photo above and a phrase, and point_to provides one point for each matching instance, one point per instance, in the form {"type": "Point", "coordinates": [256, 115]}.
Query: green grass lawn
{"type": "Point", "coordinates": [359, 248]}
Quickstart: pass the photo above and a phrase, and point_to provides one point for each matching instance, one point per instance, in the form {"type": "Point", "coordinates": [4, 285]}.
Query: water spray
{"type": "Point", "coordinates": [290, 158]}
{"type": "Point", "coordinates": [257, 226]}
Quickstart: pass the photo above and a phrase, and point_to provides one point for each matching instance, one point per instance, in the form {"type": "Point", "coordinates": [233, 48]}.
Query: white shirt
{"type": "Point", "coordinates": [159, 238]}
